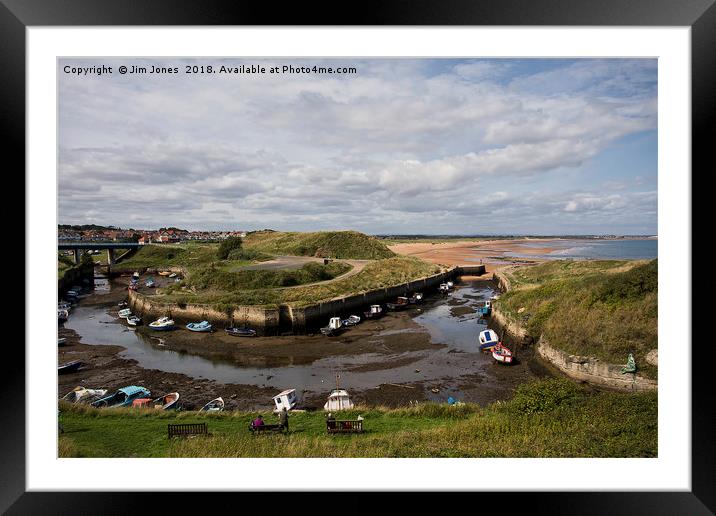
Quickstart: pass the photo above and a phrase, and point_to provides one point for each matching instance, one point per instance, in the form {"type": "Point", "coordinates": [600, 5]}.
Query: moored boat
{"type": "Point", "coordinates": [416, 298]}
{"type": "Point", "coordinates": [502, 354]}
{"type": "Point", "coordinates": [69, 367]}
{"type": "Point", "coordinates": [124, 313]}
{"type": "Point", "coordinates": [400, 304]}
{"type": "Point", "coordinates": [443, 288]}
{"type": "Point", "coordinates": [450, 284]}
{"type": "Point", "coordinates": [61, 341]}
{"type": "Point", "coordinates": [215, 405]}
{"type": "Point", "coordinates": [485, 309]}
{"type": "Point", "coordinates": [150, 283]}
{"type": "Point", "coordinates": [123, 397]}
{"type": "Point", "coordinates": [133, 320]}
{"type": "Point", "coordinates": [241, 332]}
{"type": "Point", "coordinates": [203, 326]}
{"type": "Point", "coordinates": [351, 321]}
{"type": "Point", "coordinates": [375, 312]}
{"type": "Point", "coordinates": [338, 399]}
{"type": "Point", "coordinates": [83, 395]}
{"type": "Point", "coordinates": [164, 273]}
{"type": "Point", "coordinates": [166, 402]}
{"type": "Point", "coordinates": [335, 326]}
{"type": "Point", "coordinates": [162, 324]}
{"type": "Point", "coordinates": [173, 275]}
{"type": "Point", "coordinates": [488, 339]}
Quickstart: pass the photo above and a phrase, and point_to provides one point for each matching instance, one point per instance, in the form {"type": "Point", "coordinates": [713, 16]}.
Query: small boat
{"type": "Point", "coordinates": [63, 314]}
{"type": "Point", "coordinates": [173, 275]}
{"type": "Point", "coordinates": [443, 288]}
{"type": "Point", "coordinates": [351, 321]}
{"type": "Point", "coordinates": [83, 395]}
{"type": "Point", "coordinates": [486, 309]}
{"type": "Point", "coordinates": [215, 405]}
{"type": "Point", "coordinates": [124, 313]}
{"type": "Point", "coordinates": [203, 326]}
{"type": "Point", "coordinates": [502, 354]}
{"type": "Point", "coordinates": [375, 312]}
{"type": "Point", "coordinates": [122, 304]}
{"type": "Point", "coordinates": [241, 332]}
{"type": "Point", "coordinates": [133, 286]}
{"type": "Point", "coordinates": [150, 283]}
{"type": "Point", "coordinates": [400, 304]}
{"type": "Point", "coordinates": [416, 298]}
{"type": "Point", "coordinates": [338, 399]}
{"type": "Point", "coordinates": [61, 341]}
{"type": "Point", "coordinates": [123, 397]}
{"type": "Point", "coordinates": [166, 402]}
{"type": "Point", "coordinates": [450, 284]}
{"type": "Point", "coordinates": [164, 273]}
{"type": "Point", "coordinates": [135, 275]}
{"type": "Point", "coordinates": [162, 324]}
{"type": "Point", "coordinates": [69, 367]}
{"type": "Point", "coordinates": [287, 399]}
{"type": "Point", "coordinates": [488, 339]}
{"type": "Point", "coordinates": [335, 326]}
{"type": "Point", "coordinates": [64, 305]}
{"type": "Point", "coordinates": [133, 320]}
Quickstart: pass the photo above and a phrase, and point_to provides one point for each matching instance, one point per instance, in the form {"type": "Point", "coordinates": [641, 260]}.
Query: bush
{"type": "Point", "coordinates": [543, 395]}
{"type": "Point", "coordinates": [228, 245]}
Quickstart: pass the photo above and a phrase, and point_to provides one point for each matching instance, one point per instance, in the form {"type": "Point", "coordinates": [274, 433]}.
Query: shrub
{"type": "Point", "coordinates": [228, 245]}
{"type": "Point", "coordinates": [543, 395]}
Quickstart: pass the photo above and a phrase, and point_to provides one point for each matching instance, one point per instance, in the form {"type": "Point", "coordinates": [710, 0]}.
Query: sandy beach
{"type": "Point", "coordinates": [491, 253]}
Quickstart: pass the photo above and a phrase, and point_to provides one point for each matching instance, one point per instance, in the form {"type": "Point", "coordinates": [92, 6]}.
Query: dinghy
{"type": "Point", "coordinates": [162, 324]}
{"type": "Point", "coordinates": [150, 283]}
{"type": "Point", "coordinates": [124, 313]}
{"type": "Point", "coordinates": [335, 326]}
{"type": "Point", "coordinates": [173, 275]}
{"type": "Point", "coordinates": [351, 321]}
{"type": "Point", "coordinates": [416, 298]}
{"type": "Point", "coordinates": [375, 312]}
{"type": "Point", "coordinates": [486, 309]}
{"type": "Point", "coordinates": [241, 332]}
{"type": "Point", "coordinates": [400, 304]}
{"type": "Point", "coordinates": [203, 326]}
{"type": "Point", "coordinates": [133, 320]}
{"type": "Point", "coordinates": [488, 339]}
{"type": "Point", "coordinates": [69, 367]}
{"type": "Point", "coordinates": [166, 402]}
{"type": "Point", "coordinates": [215, 405]}
{"type": "Point", "coordinates": [83, 395]}
{"type": "Point", "coordinates": [61, 341]}
{"type": "Point", "coordinates": [502, 354]}
{"type": "Point", "coordinates": [122, 398]}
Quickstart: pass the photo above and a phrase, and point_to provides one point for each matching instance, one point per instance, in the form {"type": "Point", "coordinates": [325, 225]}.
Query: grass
{"type": "Point", "coordinates": [572, 422]}
{"type": "Point", "coordinates": [168, 255]}
{"type": "Point", "coordinates": [605, 309]}
{"type": "Point", "coordinates": [323, 244]}
{"type": "Point", "coordinates": [378, 274]}
{"type": "Point", "coordinates": [64, 263]}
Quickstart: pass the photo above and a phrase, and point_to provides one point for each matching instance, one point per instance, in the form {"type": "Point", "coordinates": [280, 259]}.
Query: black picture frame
{"type": "Point", "coordinates": [699, 15]}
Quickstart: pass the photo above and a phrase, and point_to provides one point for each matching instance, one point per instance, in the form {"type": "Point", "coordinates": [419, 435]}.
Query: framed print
{"type": "Point", "coordinates": [421, 247]}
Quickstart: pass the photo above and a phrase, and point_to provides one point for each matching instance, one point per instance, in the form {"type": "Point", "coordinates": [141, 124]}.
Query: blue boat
{"type": "Point", "coordinates": [123, 397]}
{"type": "Point", "coordinates": [488, 339]}
{"type": "Point", "coordinates": [204, 326]}
{"type": "Point", "coordinates": [485, 310]}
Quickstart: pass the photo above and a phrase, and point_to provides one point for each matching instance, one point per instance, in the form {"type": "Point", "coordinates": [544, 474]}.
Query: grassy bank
{"type": "Point", "coordinates": [606, 309]}
{"type": "Point", "coordinates": [546, 418]}
{"type": "Point", "coordinates": [379, 274]}
{"type": "Point", "coordinates": [324, 244]}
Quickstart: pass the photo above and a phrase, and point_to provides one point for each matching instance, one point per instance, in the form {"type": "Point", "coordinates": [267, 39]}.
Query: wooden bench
{"type": "Point", "coordinates": [345, 426]}
{"type": "Point", "coordinates": [187, 429]}
{"type": "Point", "coordinates": [264, 428]}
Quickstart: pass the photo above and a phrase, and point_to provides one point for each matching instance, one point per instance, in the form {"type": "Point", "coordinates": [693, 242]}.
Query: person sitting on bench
{"type": "Point", "coordinates": [259, 421]}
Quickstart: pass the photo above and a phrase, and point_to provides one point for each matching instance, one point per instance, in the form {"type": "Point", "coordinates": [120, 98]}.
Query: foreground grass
{"type": "Point", "coordinates": [547, 418]}
{"type": "Point", "coordinates": [324, 244]}
{"type": "Point", "coordinates": [606, 309]}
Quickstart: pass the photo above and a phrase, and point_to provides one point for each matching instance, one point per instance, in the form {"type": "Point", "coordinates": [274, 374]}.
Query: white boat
{"type": "Point", "coordinates": [124, 313]}
{"type": "Point", "coordinates": [443, 288]}
{"type": "Point", "coordinates": [374, 312]}
{"type": "Point", "coordinates": [150, 283]}
{"type": "Point", "coordinates": [133, 320]}
{"type": "Point", "coordinates": [450, 284]}
{"type": "Point", "coordinates": [351, 321]}
{"type": "Point", "coordinates": [163, 323]}
{"type": "Point", "coordinates": [215, 405]}
{"type": "Point", "coordinates": [488, 339]}
{"type": "Point", "coordinates": [83, 395]}
{"type": "Point", "coordinates": [135, 275]}
{"type": "Point", "coordinates": [287, 399]}
{"type": "Point", "coordinates": [502, 354]}
{"type": "Point", "coordinates": [335, 326]}
{"type": "Point", "coordinates": [173, 275]}
{"type": "Point", "coordinates": [338, 400]}
{"type": "Point", "coordinates": [64, 305]}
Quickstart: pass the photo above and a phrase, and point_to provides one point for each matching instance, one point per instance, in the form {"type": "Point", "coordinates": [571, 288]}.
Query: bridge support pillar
{"type": "Point", "coordinates": [78, 255]}
{"type": "Point", "coordinates": [110, 256]}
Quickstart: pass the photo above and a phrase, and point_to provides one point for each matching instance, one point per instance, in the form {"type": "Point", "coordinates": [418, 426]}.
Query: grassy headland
{"type": "Point", "coordinates": [605, 309]}
{"type": "Point", "coordinates": [546, 418]}
{"type": "Point", "coordinates": [323, 244]}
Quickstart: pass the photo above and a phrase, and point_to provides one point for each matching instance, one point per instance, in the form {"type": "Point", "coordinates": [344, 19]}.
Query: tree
{"type": "Point", "coordinates": [230, 244]}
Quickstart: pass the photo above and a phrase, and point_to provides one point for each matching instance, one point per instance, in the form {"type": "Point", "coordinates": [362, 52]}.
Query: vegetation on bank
{"type": "Point", "coordinates": [64, 263]}
{"type": "Point", "coordinates": [605, 309]}
{"type": "Point", "coordinates": [323, 244]}
{"type": "Point", "coordinates": [545, 418]}
{"type": "Point", "coordinates": [378, 274]}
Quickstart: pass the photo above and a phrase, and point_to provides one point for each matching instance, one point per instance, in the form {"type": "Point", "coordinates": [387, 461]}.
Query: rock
{"type": "Point", "coordinates": [521, 309]}
{"type": "Point", "coordinates": [652, 357]}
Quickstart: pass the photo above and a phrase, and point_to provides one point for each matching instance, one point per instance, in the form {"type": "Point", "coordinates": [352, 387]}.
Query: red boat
{"type": "Point", "coordinates": [502, 354]}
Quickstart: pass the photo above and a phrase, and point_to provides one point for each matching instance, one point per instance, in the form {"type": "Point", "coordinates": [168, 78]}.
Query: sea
{"type": "Point", "coordinates": [592, 249]}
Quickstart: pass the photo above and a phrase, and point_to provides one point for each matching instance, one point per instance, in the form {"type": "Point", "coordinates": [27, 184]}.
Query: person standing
{"type": "Point", "coordinates": [283, 419]}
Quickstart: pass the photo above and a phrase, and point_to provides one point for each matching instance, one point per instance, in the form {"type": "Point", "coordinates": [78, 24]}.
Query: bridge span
{"type": "Point", "coordinates": [111, 247]}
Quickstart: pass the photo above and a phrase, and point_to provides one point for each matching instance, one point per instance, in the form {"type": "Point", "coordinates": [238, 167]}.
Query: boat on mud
{"type": "Point", "coordinates": [338, 399]}
{"type": "Point", "coordinates": [61, 341]}
{"type": "Point", "coordinates": [162, 324]}
{"type": "Point", "coordinates": [502, 354]}
{"type": "Point", "coordinates": [488, 339]}
{"type": "Point", "coordinates": [485, 309]}
{"type": "Point", "coordinates": [240, 332]}
{"type": "Point", "coordinates": [166, 402]}
{"type": "Point", "coordinates": [443, 288]}
{"type": "Point", "coordinates": [400, 304]}
{"type": "Point", "coordinates": [351, 321]}
{"type": "Point", "coordinates": [215, 405]}
{"type": "Point", "coordinates": [83, 395]}
{"type": "Point", "coordinates": [69, 367]}
{"type": "Point", "coordinates": [416, 298]}
{"type": "Point", "coordinates": [335, 326]}
{"type": "Point", "coordinates": [203, 326]}
{"type": "Point", "coordinates": [287, 399]}
{"type": "Point", "coordinates": [124, 313]}
{"type": "Point", "coordinates": [450, 284]}
{"type": "Point", "coordinates": [150, 283]}
{"type": "Point", "coordinates": [133, 320]}
{"type": "Point", "coordinates": [122, 398]}
{"type": "Point", "coordinates": [375, 312]}
{"type": "Point", "coordinates": [164, 273]}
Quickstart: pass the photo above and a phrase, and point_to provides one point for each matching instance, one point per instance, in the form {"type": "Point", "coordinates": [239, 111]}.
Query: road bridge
{"type": "Point", "coordinates": [111, 247]}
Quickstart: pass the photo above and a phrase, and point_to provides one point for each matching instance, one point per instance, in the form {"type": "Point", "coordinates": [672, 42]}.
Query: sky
{"type": "Point", "coordinates": [402, 146]}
